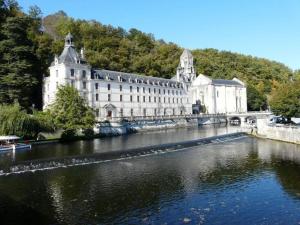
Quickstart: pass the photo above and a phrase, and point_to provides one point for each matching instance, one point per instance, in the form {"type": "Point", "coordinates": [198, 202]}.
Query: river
{"type": "Point", "coordinates": [244, 181]}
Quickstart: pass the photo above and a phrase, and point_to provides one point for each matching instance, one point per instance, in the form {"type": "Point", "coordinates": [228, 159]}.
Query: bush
{"type": "Point", "coordinates": [68, 135]}
{"type": "Point", "coordinates": [88, 133]}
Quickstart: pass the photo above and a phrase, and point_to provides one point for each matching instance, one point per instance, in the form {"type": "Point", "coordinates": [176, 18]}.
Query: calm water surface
{"type": "Point", "coordinates": [246, 181]}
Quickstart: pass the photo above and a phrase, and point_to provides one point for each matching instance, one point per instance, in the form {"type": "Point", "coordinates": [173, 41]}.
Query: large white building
{"type": "Point", "coordinates": [116, 94]}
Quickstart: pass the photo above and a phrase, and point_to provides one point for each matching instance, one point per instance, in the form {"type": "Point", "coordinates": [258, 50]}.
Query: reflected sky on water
{"type": "Point", "coordinates": [246, 181]}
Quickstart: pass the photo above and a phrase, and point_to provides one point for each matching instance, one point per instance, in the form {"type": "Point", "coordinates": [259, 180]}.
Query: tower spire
{"type": "Point", "coordinates": [69, 40]}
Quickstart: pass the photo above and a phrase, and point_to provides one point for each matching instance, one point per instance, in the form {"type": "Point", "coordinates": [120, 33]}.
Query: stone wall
{"type": "Point", "coordinates": [120, 128]}
{"type": "Point", "coordinates": [278, 132]}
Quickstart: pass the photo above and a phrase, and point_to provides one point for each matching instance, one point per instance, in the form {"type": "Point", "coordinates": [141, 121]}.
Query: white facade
{"type": "Point", "coordinates": [115, 94]}
{"type": "Point", "coordinates": [219, 96]}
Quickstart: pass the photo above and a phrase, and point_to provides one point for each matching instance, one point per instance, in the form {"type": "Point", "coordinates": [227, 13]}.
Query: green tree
{"type": "Point", "coordinates": [17, 62]}
{"type": "Point", "coordinates": [256, 100]}
{"type": "Point", "coordinates": [15, 121]}
{"type": "Point", "coordinates": [285, 100]}
{"type": "Point", "coordinates": [70, 111]}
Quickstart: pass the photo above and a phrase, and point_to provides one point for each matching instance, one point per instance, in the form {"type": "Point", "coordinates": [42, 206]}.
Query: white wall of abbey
{"type": "Point", "coordinates": [115, 94]}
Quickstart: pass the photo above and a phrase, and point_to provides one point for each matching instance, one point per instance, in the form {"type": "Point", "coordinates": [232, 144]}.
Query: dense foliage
{"type": "Point", "coordinates": [15, 121]}
{"type": "Point", "coordinates": [285, 100]}
{"type": "Point", "coordinates": [257, 101]}
{"type": "Point", "coordinates": [113, 48]}
{"type": "Point", "coordinates": [70, 111]}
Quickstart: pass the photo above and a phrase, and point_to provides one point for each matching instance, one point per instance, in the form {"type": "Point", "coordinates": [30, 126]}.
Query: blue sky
{"type": "Point", "coordinates": [263, 28]}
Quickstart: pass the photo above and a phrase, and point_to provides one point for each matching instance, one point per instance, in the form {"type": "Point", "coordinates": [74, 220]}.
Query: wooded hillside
{"type": "Point", "coordinates": [114, 48]}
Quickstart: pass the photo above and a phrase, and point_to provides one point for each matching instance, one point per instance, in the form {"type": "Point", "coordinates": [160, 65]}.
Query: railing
{"type": "Point", "coordinates": [161, 117]}
{"type": "Point", "coordinates": [250, 113]}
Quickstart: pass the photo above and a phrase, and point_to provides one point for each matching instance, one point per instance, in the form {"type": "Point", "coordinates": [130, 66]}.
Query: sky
{"type": "Point", "coordinates": [262, 28]}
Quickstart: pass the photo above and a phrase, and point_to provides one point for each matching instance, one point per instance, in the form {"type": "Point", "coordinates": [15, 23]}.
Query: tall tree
{"type": "Point", "coordinates": [17, 62]}
{"type": "Point", "coordinates": [256, 100]}
{"type": "Point", "coordinates": [70, 111]}
{"type": "Point", "coordinates": [285, 100]}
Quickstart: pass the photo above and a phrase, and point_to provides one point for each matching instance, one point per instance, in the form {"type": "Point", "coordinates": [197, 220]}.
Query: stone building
{"type": "Point", "coordinates": [114, 94]}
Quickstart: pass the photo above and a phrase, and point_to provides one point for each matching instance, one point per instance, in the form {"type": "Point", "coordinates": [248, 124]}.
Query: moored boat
{"type": "Point", "coordinates": [9, 143]}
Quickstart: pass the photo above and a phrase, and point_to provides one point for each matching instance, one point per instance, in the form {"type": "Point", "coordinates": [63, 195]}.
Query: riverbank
{"type": "Point", "coordinates": [121, 128]}
{"type": "Point", "coordinates": [278, 132]}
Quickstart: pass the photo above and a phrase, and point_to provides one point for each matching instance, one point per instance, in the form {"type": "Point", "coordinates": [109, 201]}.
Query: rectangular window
{"type": "Point", "coordinates": [72, 72]}
{"type": "Point", "coordinates": [144, 99]}
{"type": "Point", "coordinates": [131, 112]}
{"type": "Point", "coordinates": [121, 112]}
{"type": "Point", "coordinates": [138, 98]}
{"type": "Point", "coordinates": [120, 87]}
{"type": "Point", "coordinates": [138, 89]}
{"type": "Point", "coordinates": [173, 100]}
{"type": "Point", "coordinates": [144, 112]}
{"type": "Point", "coordinates": [121, 98]}
{"type": "Point", "coordinates": [159, 99]}
{"type": "Point", "coordinates": [108, 87]}
{"type": "Point", "coordinates": [217, 94]}
{"type": "Point", "coordinates": [158, 91]}
{"type": "Point", "coordinates": [164, 91]}
{"type": "Point", "coordinates": [97, 97]}
{"type": "Point", "coordinates": [84, 85]}
{"type": "Point", "coordinates": [130, 98]}
{"type": "Point", "coordinates": [130, 88]}
{"type": "Point", "coordinates": [96, 86]}
{"type": "Point", "coordinates": [169, 100]}
{"type": "Point", "coordinates": [97, 112]}
{"type": "Point", "coordinates": [149, 90]}
{"type": "Point", "coordinates": [143, 89]}
{"type": "Point", "coordinates": [168, 92]}
{"type": "Point", "coordinates": [83, 74]}
{"type": "Point", "coordinates": [164, 99]}
{"type": "Point", "coordinates": [149, 98]}
{"type": "Point", "coordinates": [154, 99]}
{"type": "Point", "coordinates": [154, 90]}
{"type": "Point", "coordinates": [108, 97]}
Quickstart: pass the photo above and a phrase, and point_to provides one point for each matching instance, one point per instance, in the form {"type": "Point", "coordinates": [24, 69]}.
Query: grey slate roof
{"type": "Point", "coordinates": [70, 55]}
{"type": "Point", "coordinates": [134, 78]}
{"type": "Point", "coordinates": [225, 82]}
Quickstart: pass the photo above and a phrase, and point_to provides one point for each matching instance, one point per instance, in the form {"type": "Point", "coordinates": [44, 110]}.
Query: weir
{"type": "Point", "coordinates": [68, 161]}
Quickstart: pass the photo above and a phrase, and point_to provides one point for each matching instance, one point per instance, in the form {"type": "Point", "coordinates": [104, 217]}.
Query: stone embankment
{"type": "Point", "coordinates": [120, 128]}
{"type": "Point", "coordinates": [279, 132]}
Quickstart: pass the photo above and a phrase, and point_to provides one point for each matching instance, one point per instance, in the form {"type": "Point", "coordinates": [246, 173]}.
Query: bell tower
{"type": "Point", "coordinates": [69, 40]}
{"type": "Point", "coordinates": [185, 71]}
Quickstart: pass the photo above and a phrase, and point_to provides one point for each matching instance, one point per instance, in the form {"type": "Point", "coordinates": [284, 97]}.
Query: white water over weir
{"type": "Point", "coordinates": [68, 161]}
